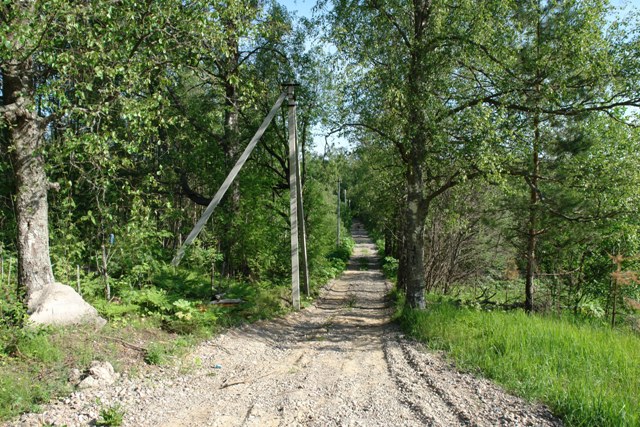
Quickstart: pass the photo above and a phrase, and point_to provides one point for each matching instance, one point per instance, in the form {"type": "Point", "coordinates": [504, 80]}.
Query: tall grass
{"type": "Point", "coordinates": [587, 374]}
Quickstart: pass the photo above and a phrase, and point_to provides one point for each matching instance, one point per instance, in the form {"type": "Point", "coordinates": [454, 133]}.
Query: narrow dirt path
{"type": "Point", "coordinates": [338, 363]}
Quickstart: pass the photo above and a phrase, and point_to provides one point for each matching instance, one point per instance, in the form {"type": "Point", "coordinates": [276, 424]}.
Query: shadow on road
{"type": "Point", "coordinates": [352, 309]}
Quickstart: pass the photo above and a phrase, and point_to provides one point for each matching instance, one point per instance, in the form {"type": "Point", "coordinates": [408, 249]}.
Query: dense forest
{"type": "Point", "coordinates": [119, 124]}
{"type": "Point", "coordinates": [494, 154]}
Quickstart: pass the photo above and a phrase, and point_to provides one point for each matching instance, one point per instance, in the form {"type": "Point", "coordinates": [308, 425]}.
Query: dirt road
{"type": "Point", "coordinates": [338, 363]}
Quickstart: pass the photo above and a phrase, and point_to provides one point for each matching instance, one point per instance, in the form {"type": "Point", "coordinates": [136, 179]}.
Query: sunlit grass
{"type": "Point", "coordinates": [589, 375]}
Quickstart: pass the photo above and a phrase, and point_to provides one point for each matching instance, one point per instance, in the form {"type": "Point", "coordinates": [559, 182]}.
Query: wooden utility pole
{"type": "Point", "coordinates": [105, 274]}
{"type": "Point", "coordinates": [293, 199]}
{"type": "Point", "coordinates": [304, 264]}
{"type": "Point", "coordinates": [338, 218]}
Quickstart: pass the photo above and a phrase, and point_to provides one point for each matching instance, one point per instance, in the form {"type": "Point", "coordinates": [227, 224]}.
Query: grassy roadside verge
{"type": "Point", "coordinates": [587, 374]}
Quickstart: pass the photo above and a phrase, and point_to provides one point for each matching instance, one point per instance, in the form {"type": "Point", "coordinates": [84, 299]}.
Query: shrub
{"type": "Point", "coordinates": [344, 250]}
{"type": "Point", "coordinates": [390, 267]}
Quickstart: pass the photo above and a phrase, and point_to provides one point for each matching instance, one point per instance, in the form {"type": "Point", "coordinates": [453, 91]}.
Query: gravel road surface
{"type": "Point", "coordinates": [337, 363]}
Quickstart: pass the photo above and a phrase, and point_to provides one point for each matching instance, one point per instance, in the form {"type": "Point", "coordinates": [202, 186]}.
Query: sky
{"type": "Point", "coordinates": [632, 3]}
{"type": "Point", "coordinates": [302, 7]}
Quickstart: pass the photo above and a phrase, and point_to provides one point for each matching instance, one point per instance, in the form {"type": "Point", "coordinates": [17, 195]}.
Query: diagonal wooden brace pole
{"type": "Point", "coordinates": [228, 181]}
{"type": "Point", "coordinates": [293, 199]}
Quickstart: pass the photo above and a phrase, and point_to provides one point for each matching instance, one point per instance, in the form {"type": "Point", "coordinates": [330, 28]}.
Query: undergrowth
{"type": "Point", "coordinates": [588, 374]}
{"type": "Point", "coordinates": [154, 324]}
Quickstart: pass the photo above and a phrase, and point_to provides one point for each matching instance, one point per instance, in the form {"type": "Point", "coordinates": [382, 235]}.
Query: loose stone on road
{"type": "Point", "coordinates": [337, 363]}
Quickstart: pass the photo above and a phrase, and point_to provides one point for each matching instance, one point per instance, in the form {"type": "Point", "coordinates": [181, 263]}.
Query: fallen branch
{"type": "Point", "coordinates": [227, 301]}
{"type": "Point", "coordinates": [125, 343]}
{"type": "Point", "coordinates": [225, 384]}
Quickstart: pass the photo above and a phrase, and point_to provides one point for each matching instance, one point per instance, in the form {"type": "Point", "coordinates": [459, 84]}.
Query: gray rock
{"type": "Point", "coordinates": [100, 374]}
{"type": "Point", "coordinates": [58, 304]}
{"type": "Point", "coordinates": [75, 376]}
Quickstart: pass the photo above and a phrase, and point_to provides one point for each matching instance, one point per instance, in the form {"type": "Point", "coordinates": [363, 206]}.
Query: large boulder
{"type": "Point", "coordinates": [59, 304]}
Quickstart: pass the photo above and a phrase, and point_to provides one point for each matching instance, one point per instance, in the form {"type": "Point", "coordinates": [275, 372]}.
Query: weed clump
{"type": "Point", "coordinates": [111, 416]}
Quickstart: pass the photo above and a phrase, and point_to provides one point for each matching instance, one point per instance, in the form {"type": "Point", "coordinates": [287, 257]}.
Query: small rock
{"type": "Point", "coordinates": [74, 376]}
{"type": "Point", "coordinates": [100, 373]}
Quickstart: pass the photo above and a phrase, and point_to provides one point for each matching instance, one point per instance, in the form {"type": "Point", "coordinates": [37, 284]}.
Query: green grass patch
{"type": "Point", "coordinates": [390, 267]}
{"type": "Point", "coordinates": [30, 356]}
{"type": "Point", "coordinates": [163, 353]}
{"type": "Point", "coordinates": [588, 374]}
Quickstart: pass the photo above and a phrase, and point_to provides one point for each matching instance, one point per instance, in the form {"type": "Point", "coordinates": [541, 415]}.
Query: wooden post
{"type": "Point", "coordinates": [213, 277]}
{"type": "Point", "coordinates": [78, 278]}
{"type": "Point", "coordinates": [9, 274]}
{"type": "Point", "coordinates": [338, 218]}
{"type": "Point", "coordinates": [304, 265]}
{"type": "Point", "coordinates": [105, 274]}
{"type": "Point", "coordinates": [293, 200]}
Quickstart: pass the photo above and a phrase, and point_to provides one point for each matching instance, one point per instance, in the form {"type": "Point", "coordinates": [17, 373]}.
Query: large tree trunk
{"type": "Point", "coordinates": [532, 232]}
{"type": "Point", "coordinates": [415, 156]}
{"type": "Point", "coordinates": [47, 301]}
{"type": "Point", "coordinates": [231, 147]}
{"type": "Point", "coordinates": [25, 134]}
{"type": "Point", "coordinates": [414, 241]}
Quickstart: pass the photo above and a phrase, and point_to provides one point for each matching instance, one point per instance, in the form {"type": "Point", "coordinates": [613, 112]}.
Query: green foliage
{"type": "Point", "coordinates": [19, 393]}
{"type": "Point", "coordinates": [39, 347]}
{"type": "Point", "coordinates": [187, 317]}
{"type": "Point", "coordinates": [119, 311]}
{"type": "Point", "coordinates": [187, 282]}
{"type": "Point", "coordinates": [334, 263]}
{"type": "Point", "coordinates": [586, 373]}
{"type": "Point", "coordinates": [152, 300]}
{"type": "Point", "coordinates": [173, 313]}
{"type": "Point", "coordinates": [591, 309]}
{"type": "Point", "coordinates": [163, 353]}
{"type": "Point", "coordinates": [111, 416]}
{"type": "Point", "coordinates": [390, 267]}
{"type": "Point", "coordinates": [399, 300]}
{"type": "Point", "coordinates": [155, 355]}
{"type": "Point", "coordinates": [138, 127]}
{"type": "Point", "coordinates": [28, 353]}
{"type": "Point", "coordinates": [344, 250]}
{"type": "Point", "coordinates": [13, 313]}
{"type": "Point", "coordinates": [268, 301]}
